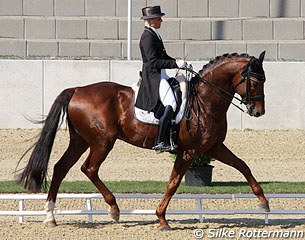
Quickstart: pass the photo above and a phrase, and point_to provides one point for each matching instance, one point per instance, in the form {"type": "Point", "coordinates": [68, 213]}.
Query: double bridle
{"type": "Point", "coordinates": [247, 75]}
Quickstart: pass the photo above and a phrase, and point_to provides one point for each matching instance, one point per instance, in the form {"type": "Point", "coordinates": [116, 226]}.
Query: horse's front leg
{"type": "Point", "coordinates": [177, 174]}
{"type": "Point", "coordinates": [223, 154]}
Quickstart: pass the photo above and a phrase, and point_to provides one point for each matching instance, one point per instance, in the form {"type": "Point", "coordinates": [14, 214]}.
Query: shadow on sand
{"type": "Point", "coordinates": [192, 224]}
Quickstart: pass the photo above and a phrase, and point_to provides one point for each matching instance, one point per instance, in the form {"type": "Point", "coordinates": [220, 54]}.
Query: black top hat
{"type": "Point", "coordinates": [151, 12]}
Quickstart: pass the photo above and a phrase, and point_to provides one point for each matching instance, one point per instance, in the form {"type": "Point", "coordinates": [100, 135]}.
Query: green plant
{"type": "Point", "coordinates": [200, 161]}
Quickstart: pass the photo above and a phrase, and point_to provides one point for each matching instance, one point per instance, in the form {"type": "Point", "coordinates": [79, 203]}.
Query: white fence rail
{"type": "Point", "coordinates": [21, 213]}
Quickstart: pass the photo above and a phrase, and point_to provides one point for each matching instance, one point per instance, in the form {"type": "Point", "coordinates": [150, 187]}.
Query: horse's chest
{"type": "Point", "coordinates": [204, 137]}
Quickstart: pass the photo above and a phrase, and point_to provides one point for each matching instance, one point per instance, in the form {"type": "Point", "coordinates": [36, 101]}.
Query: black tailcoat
{"type": "Point", "coordinates": [154, 59]}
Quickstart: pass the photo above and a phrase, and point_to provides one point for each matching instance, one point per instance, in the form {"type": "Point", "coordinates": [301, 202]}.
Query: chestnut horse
{"type": "Point", "coordinates": [101, 113]}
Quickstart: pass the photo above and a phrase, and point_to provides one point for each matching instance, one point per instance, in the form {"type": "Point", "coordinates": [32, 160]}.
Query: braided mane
{"type": "Point", "coordinates": [221, 58]}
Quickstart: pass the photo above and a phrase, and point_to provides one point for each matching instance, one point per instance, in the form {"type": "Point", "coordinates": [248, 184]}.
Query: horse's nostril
{"type": "Point", "coordinates": [257, 114]}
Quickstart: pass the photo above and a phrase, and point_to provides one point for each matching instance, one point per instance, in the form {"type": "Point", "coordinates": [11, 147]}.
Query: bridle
{"type": "Point", "coordinates": [194, 79]}
{"type": "Point", "coordinates": [247, 75]}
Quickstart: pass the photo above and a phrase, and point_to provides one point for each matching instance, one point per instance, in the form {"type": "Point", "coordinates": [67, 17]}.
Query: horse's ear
{"type": "Point", "coordinates": [262, 56]}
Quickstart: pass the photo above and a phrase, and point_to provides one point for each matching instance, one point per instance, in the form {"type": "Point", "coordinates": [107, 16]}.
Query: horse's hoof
{"type": "Point", "coordinates": [50, 223]}
{"type": "Point", "coordinates": [164, 228]}
{"type": "Point", "coordinates": [114, 214]}
{"type": "Point", "coordinates": [264, 206]}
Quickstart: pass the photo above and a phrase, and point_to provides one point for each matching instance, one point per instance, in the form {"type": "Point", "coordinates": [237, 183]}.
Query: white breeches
{"type": "Point", "coordinates": [166, 94]}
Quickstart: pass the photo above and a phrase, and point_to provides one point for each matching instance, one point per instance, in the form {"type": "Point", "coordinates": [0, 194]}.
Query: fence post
{"type": "Point", "coordinates": [21, 208]}
{"type": "Point", "coordinates": [199, 203]}
{"type": "Point", "coordinates": [89, 207]}
{"type": "Point", "coordinates": [266, 218]}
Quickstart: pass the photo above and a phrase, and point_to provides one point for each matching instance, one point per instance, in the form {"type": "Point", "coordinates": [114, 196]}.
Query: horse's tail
{"type": "Point", "coordinates": [34, 176]}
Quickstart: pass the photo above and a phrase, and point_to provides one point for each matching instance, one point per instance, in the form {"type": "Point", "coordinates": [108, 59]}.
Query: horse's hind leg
{"type": "Point", "coordinates": [91, 167]}
{"type": "Point", "coordinates": [76, 148]}
{"type": "Point", "coordinates": [223, 154]}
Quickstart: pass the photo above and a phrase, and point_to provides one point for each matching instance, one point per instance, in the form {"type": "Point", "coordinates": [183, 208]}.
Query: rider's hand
{"type": "Point", "coordinates": [181, 63]}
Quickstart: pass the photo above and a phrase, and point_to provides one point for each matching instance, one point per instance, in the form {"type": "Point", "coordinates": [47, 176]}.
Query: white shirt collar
{"type": "Point", "coordinates": [155, 30]}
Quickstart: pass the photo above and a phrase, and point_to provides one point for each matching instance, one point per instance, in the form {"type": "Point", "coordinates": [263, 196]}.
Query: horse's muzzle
{"type": "Point", "coordinates": [255, 111]}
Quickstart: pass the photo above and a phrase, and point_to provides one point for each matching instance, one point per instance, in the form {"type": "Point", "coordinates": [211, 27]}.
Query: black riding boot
{"type": "Point", "coordinates": [173, 136]}
{"type": "Point", "coordinates": [165, 120]}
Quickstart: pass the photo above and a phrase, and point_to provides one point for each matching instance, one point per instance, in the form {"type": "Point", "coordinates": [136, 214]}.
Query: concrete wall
{"type": "Point", "coordinates": [172, 8]}
{"type": "Point", "coordinates": [98, 28]}
{"type": "Point", "coordinates": [29, 87]}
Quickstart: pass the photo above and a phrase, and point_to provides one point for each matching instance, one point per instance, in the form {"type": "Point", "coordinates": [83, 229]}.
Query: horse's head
{"type": "Point", "coordinates": [250, 86]}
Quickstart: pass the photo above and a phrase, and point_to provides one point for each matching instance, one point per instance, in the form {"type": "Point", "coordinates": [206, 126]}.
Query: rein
{"type": "Point", "coordinates": [247, 75]}
{"type": "Point", "coordinates": [223, 93]}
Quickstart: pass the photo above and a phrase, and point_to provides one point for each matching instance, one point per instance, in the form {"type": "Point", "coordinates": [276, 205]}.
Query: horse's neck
{"type": "Point", "coordinates": [212, 104]}
{"type": "Point", "coordinates": [212, 95]}
{"type": "Point", "coordinates": [221, 76]}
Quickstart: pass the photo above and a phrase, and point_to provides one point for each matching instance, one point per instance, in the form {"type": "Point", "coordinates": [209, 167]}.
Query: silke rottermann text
{"type": "Point", "coordinates": [247, 233]}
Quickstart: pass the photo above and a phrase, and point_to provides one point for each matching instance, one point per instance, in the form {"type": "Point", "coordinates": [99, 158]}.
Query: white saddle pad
{"type": "Point", "coordinates": [149, 117]}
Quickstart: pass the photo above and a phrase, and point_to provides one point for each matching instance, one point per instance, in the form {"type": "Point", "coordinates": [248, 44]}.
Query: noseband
{"type": "Point", "coordinates": [247, 75]}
